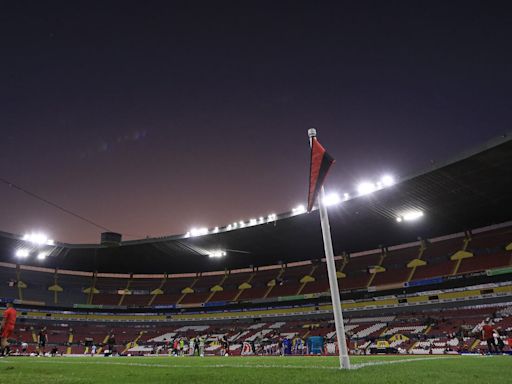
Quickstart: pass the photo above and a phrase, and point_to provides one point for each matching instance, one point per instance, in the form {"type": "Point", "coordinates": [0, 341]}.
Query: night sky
{"type": "Point", "coordinates": [153, 117]}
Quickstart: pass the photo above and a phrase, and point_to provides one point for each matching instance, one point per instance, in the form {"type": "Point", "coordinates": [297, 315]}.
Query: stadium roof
{"type": "Point", "coordinates": [473, 191]}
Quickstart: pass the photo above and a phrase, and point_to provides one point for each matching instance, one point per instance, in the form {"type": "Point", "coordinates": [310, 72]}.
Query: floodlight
{"type": "Point", "coordinates": [412, 215]}
{"type": "Point", "coordinates": [346, 196]}
{"type": "Point", "coordinates": [298, 209]}
{"type": "Point", "coordinates": [38, 239]}
{"type": "Point", "coordinates": [365, 188]}
{"type": "Point", "coordinates": [42, 255]}
{"type": "Point", "coordinates": [242, 224]}
{"type": "Point", "coordinates": [253, 222]}
{"type": "Point", "coordinates": [22, 253]}
{"type": "Point", "coordinates": [216, 253]}
{"type": "Point", "coordinates": [387, 180]}
{"type": "Point", "coordinates": [198, 231]}
{"type": "Point", "coordinates": [331, 199]}
{"type": "Point", "coordinates": [228, 228]}
{"type": "Point", "coordinates": [261, 219]}
{"type": "Point", "coordinates": [216, 229]}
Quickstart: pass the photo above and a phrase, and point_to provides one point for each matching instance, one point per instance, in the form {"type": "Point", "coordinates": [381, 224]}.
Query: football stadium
{"type": "Point", "coordinates": [423, 264]}
{"type": "Point", "coordinates": [169, 212]}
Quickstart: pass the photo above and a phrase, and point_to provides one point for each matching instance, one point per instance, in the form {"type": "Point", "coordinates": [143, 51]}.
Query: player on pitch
{"type": "Point", "coordinates": [7, 329]}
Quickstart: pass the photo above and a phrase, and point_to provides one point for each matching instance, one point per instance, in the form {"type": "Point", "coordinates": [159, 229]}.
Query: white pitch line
{"type": "Point", "coordinates": [180, 365]}
{"type": "Point", "coordinates": [209, 366]}
{"type": "Point", "coordinates": [373, 363]}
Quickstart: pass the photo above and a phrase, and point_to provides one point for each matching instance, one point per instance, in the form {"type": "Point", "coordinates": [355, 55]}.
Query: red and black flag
{"type": "Point", "coordinates": [321, 161]}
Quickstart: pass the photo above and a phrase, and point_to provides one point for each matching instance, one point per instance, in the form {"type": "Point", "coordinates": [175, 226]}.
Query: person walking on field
{"type": "Point", "coordinates": [201, 346]}
{"type": "Point", "coordinates": [488, 336]}
{"type": "Point", "coordinates": [42, 339]}
{"type": "Point", "coordinates": [7, 328]}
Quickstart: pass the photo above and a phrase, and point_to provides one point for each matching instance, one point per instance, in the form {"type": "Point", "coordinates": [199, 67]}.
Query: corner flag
{"type": "Point", "coordinates": [321, 161]}
{"type": "Point", "coordinates": [320, 164]}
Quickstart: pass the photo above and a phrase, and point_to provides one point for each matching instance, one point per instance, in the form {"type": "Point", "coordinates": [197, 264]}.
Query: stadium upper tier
{"type": "Point", "coordinates": [473, 191]}
{"type": "Point", "coordinates": [422, 263]}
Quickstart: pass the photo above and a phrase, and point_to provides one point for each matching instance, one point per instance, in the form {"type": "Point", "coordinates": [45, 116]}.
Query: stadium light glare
{"type": "Point", "coordinates": [253, 222]}
{"type": "Point", "coordinates": [299, 209]}
{"type": "Point", "coordinates": [332, 199]}
{"type": "Point", "coordinates": [262, 220]}
{"type": "Point", "coordinates": [242, 224]}
{"type": "Point", "coordinates": [387, 180]}
{"type": "Point", "coordinates": [346, 196]}
{"type": "Point", "coordinates": [216, 230]}
{"type": "Point", "coordinates": [22, 253]}
{"type": "Point", "coordinates": [198, 232]}
{"type": "Point", "coordinates": [410, 216]}
{"type": "Point", "coordinates": [216, 253]}
{"type": "Point", "coordinates": [42, 255]}
{"type": "Point", "coordinates": [366, 188]}
{"type": "Point", "coordinates": [229, 227]}
{"type": "Point", "coordinates": [271, 217]}
{"type": "Point", "coordinates": [38, 239]}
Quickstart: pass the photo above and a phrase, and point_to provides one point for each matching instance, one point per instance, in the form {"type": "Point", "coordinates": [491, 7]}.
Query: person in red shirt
{"type": "Point", "coordinates": [488, 336]}
{"type": "Point", "coordinates": [7, 328]}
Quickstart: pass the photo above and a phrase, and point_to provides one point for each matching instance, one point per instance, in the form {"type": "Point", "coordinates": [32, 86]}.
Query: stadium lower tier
{"type": "Point", "coordinates": [486, 251]}
{"type": "Point", "coordinates": [434, 331]}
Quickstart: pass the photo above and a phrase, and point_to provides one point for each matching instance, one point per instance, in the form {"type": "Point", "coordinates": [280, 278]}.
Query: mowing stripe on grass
{"type": "Point", "coordinates": [209, 366]}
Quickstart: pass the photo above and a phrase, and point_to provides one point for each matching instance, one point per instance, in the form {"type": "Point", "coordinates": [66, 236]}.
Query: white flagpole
{"type": "Point", "coordinates": [331, 272]}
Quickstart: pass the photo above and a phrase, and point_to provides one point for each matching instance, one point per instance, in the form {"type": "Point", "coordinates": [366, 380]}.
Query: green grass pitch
{"type": "Point", "coordinates": [247, 370]}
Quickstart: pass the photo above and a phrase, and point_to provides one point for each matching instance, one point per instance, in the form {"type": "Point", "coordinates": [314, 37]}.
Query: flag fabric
{"type": "Point", "coordinates": [321, 161]}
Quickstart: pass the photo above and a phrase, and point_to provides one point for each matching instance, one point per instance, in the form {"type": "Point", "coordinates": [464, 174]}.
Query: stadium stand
{"type": "Point", "coordinates": [452, 325]}
{"type": "Point", "coordinates": [427, 290]}
{"type": "Point", "coordinates": [426, 332]}
{"type": "Point", "coordinates": [391, 268]}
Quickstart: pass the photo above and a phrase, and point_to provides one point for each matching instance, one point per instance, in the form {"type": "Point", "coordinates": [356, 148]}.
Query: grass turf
{"type": "Point", "coordinates": [247, 370]}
